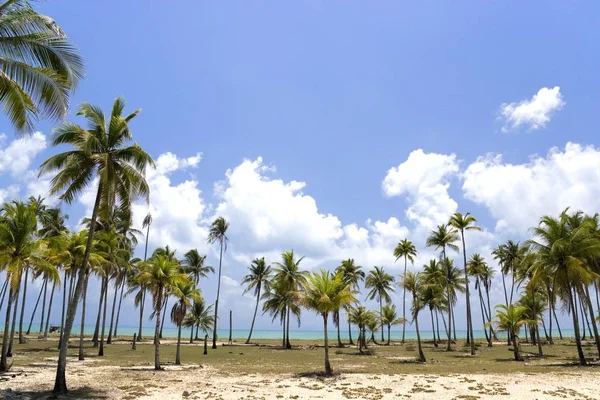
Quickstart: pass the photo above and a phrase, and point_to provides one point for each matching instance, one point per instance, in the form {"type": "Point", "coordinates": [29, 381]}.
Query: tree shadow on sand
{"type": "Point", "coordinates": [79, 393]}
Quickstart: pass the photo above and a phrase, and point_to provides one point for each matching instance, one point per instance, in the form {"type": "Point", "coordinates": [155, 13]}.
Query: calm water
{"type": "Point", "coordinates": [294, 333]}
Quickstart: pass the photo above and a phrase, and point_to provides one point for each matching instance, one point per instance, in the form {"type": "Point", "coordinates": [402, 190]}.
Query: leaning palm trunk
{"type": "Point", "coordinates": [336, 319]}
{"type": "Point", "coordinates": [60, 384]}
{"type": "Point", "coordinates": [592, 318]}
{"type": "Point", "coordinates": [101, 350]}
{"type": "Point", "coordinates": [328, 369]}
{"type": "Point", "coordinates": [162, 324]}
{"type": "Point", "coordinates": [158, 303]}
{"type": "Point", "coordinates": [433, 327]}
{"type": "Point", "coordinates": [517, 353]}
{"type": "Point", "coordinates": [21, 336]}
{"type": "Point", "coordinates": [449, 330]}
{"type": "Point", "coordinates": [580, 353]}
{"type": "Point", "coordinates": [4, 290]}
{"type": "Point", "coordinates": [64, 310]}
{"type": "Point", "coordinates": [214, 338]}
{"type": "Point", "coordinates": [37, 303]}
{"type": "Point", "coordinates": [14, 323]}
{"type": "Point", "coordinates": [421, 354]}
{"type": "Point", "coordinates": [5, 338]}
{"type": "Point", "coordinates": [119, 310]}
{"type": "Point", "coordinates": [43, 307]}
{"type": "Point", "coordinates": [492, 333]}
{"type": "Point", "coordinates": [49, 311]}
{"type": "Point", "coordinates": [112, 313]}
{"type": "Point", "coordinates": [99, 316]}
{"type": "Point", "coordinates": [81, 329]}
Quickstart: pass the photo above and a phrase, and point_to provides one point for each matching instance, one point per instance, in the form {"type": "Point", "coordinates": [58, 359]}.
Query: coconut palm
{"type": "Point", "coordinates": [479, 269]}
{"type": "Point", "coordinates": [40, 66]}
{"type": "Point", "coordinates": [102, 151]}
{"type": "Point", "coordinates": [326, 293]}
{"type": "Point", "coordinates": [433, 291]}
{"type": "Point", "coordinates": [353, 275]}
{"type": "Point", "coordinates": [185, 292]}
{"type": "Point", "coordinates": [407, 250]}
{"type": "Point", "coordinates": [414, 284]}
{"type": "Point", "coordinates": [361, 317]}
{"type": "Point", "coordinates": [259, 275]}
{"type": "Point", "coordinates": [535, 305]}
{"type": "Point", "coordinates": [194, 265]}
{"type": "Point", "coordinates": [159, 275]}
{"type": "Point", "coordinates": [390, 318]}
{"type": "Point", "coordinates": [218, 233]}
{"type": "Point", "coordinates": [141, 301]}
{"type": "Point", "coordinates": [381, 284]}
{"type": "Point", "coordinates": [512, 319]}
{"type": "Point", "coordinates": [199, 317]}
{"type": "Point", "coordinates": [461, 223]}
{"type": "Point", "coordinates": [290, 279]}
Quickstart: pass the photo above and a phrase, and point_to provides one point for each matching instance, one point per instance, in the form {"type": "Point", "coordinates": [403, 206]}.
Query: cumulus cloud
{"type": "Point", "coordinates": [518, 194]}
{"type": "Point", "coordinates": [16, 158]}
{"type": "Point", "coordinates": [534, 113]}
{"type": "Point", "coordinates": [424, 178]}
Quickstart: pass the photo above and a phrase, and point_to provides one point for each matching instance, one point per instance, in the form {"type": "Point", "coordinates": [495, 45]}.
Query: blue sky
{"type": "Point", "coordinates": [334, 94]}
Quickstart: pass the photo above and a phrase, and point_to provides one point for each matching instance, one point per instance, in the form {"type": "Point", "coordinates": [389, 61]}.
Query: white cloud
{"type": "Point", "coordinates": [16, 158]}
{"type": "Point", "coordinates": [518, 194]}
{"type": "Point", "coordinates": [534, 113]}
{"type": "Point", "coordinates": [424, 178]}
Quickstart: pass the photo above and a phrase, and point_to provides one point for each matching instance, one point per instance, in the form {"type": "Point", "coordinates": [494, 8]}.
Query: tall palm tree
{"type": "Point", "coordinates": [381, 284]}
{"type": "Point", "coordinates": [40, 66]}
{"type": "Point", "coordinates": [414, 284]}
{"type": "Point", "coordinates": [326, 293]}
{"type": "Point", "coordinates": [461, 223]}
{"type": "Point", "coordinates": [20, 249]}
{"type": "Point", "coordinates": [102, 151]}
{"type": "Point", "coordinates": [390, 318]}
{"type": "Point", "coordinates": [259, 275]}
{"type": "Point", "coordinates": [194, 265]}
{"type": "Point", "coordinates": [512, 319]}
{"type": "Point", "coordinates": [478, 268]}
{"type": "Point", "coordinates": [218, 233]}
{"type": "Point", "coordinates": [353, 275]}
{"type": "Point", "coordinates": [185, 292]}
{"type": "Point", "coordinates": [199, 317]}
{"type": "Point", "coordinates": [142, 299]}
{"type": "Point", "coordinates": [361, 317]}
{"type": "Point", "coordinates": [277, 301]}
{"type": "Point", "coordinates": [565, 249]}
{"type": "Point", "coordinates": [159, 275]}
{"type": "Point", "coordinates": [433, 290]}
{"type": "Point", "coordinates": [407, 250]}
{"type": "Point", "coordinates": [290, 279]}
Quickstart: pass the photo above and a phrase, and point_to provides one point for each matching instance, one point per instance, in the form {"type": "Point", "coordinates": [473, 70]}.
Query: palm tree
{"type": "Point", "coordinates": [478, 268]}
{"type": "Point", "coordinates": [185, 292]}
{"type": "Point", "coordinates": [564, 249]}
{"type": "Point", "coordinates": [259, 275]}
{"type": "Point", "coordinates": [326, 293]}
{"type": "Point", "coordinates": [390, 318]}
{"type": "Point", "coordinates": [290, 279]}
{"type": "Point", "coordinates": [433, 291]}
{"type": "Point", "coordinates": [142, 293]}
{"type": "Point", "coordinates": [20, 249]}
{"type": "Point", "coordinates": [159, 275]}
{"type": "Point", "coordinates": [199, 317]}
{"type": "Point", "coordinates": [414, 284]}
{"type": "Point", "coordinates": [353, 275]}
{"type": "Point", "coordinates": [462, 223]}
{"type": "Point", "coordinates": [512, 319]}
{"type": "Point", "coordinates": [361, 317]}
{"type": "Point", "coordinates": [535, 305]}
{"type": "Point", "coordinates": [101, 151]}
{"type": "Point", "coordinates": [380, 283]}
{"type": "Point", "coordinates": [218, 233]}
{"type": "Point", "coordinates": [40, 66]}
{"type": "Point", "coordinates": [193, 265]}
{"type": "Point", "coordinates": [277, 300]}
{"type": "Point", "coordinates": [407, 250]}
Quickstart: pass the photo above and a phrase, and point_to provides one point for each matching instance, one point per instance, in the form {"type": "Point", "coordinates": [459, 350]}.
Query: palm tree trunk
{"type": "Point", "coordinates": [381, 317]}
{"type": "Point", "coordinates": [101, 350]}
{"type": "Point", "coordinates": [487, 295]}
{"type": "Point", "coordinates": [557, 323]}
{"type": "Point", "coordinates": [119, 310]}
{"type": "Point", "coordinates": [112, 313]}
{"type": "Point", "coordinates": [537, 330]}
{"type": "Point", "coordinates": [60, 384]}
{"type": "Point", "coordinates": [512, 288]}
{"type": "Point", "coordinates": [350, 331]}
{"type": "Point", "coordinates": [328, 370]}
{"type": "Point", "coordinates": [543, 322]}
{"type": "Point", "coordinates": [283, 325]}
{"type": "Point", "coordinates": [21, 337]}
{"type": "Point", "coordinates": [576, 324]}
{"type": "Point", "coordinates": [214, 338]}
{"type": "Point", "coordinates": [14, 322]}
{"type": "Point", "coordinates": [578, 301]}
{"type": "Point", "coordinates": [389, 334]}
{"type": "Point", "coordinates": [287, 336]}
{"type": "Point", "coordinates": [592, 318]}
{"type": "Point", "coordinates": [339, 337]}
{"type": "Point", "coordinates": [82, 327]}
{"type": "Point", "coordinates": [139, 335]}
{"type": "Point", "coordinates": [177, 352]}
{"type": "Point", "coordinates": [449, 330]}
{"type": "Point", "coordinates": [404, 300]}
{"type": "Point", "coordinates": [488, 338]}
{"type": "Point", "coordinates": [505, 295]}
{"type": "Point", "coordinates": [433, 327]}
{"type": "Point", "coordinates": [35, 309]}
{"type": "Point", "coordinates": [162, 324]}
{"type": "Point", "coordinates": [197, 327]}
{"type": "Point", "coordinates": [43, 307]}
{"type": "Point", "coordinates": [444, 321]}
{"type": "Point", "coordinates": [98, 317]}
{"type": "Point", "coordinates": [192, 334]}
{"type": "Point", "coordinates": [515, 340]}
{"type": "Point", "coordinates": [205, 345]}
{"type": "Point", "coordinates": [158, 303]}
{"type": "Point", "coordinates": [254, 317]}
{"type": "Point", "coordinates": [49, 311]}
{"type": "Point", "coordinates": [584, 309]}
{"type": "Point", "coordinates": [421, 354]}
{"type": "Point", "coordinates": [4, 290]}
{"type": "Point", "coordinates": [5, 337]}
{"type": "Point", "coordinates": [437, 324]}
{"type": "Point", "coordinates": [467, 294]}
{"type": "Point", "coordinates": [230, 326]}
{"type": "Point", "coordinates": [64, 310]}
{"type": "Point", "coordinates": [453, 322]}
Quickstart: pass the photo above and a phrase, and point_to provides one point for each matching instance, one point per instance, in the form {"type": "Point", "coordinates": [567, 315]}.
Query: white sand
{"type": "Point", "coordinates": [205, 383]}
